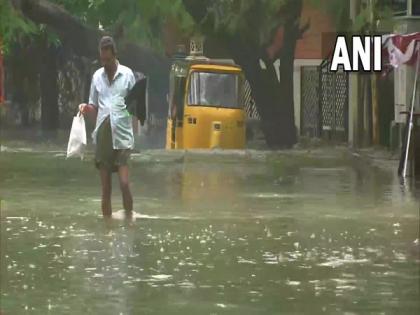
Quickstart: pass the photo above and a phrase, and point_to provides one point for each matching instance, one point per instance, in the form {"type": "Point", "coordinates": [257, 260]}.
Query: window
{"type": "Point", "coordinates": [416, 7]}
{"type": "Point", "coordinates": [176, 95]}
{"type": "Point", "coordinates": [214, 90]}
{"type": "Point", "coordinates": [401, 7]}
{"type": "Point", "coordinates": [179, 94]}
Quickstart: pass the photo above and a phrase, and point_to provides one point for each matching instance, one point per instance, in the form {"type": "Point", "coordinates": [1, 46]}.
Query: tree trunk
{"type": "Point", "coordinates": [292, 33]}
{"type": "Point", "coordinates": [374, 81]}
{"type": "Point", "coordinates": [266, 92]}
{"type": "Point", "coordinates": [49, 90]}
{"type": "Point", "coordinates": [274, 99]}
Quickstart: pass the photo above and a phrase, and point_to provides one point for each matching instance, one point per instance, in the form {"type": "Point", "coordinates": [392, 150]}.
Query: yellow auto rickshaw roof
{"type": "Point", "coordinates": [216, 67]}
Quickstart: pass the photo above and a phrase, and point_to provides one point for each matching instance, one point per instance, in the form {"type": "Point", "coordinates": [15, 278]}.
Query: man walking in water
{"type": "Point", "coordinates": [113, 134]}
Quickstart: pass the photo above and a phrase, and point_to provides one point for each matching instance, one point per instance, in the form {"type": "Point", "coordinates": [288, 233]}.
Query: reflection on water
{"type": "Point", "coordinates": [213, 234]}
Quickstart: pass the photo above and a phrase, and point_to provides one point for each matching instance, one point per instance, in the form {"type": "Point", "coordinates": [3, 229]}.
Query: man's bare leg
{"type": "Point", "coordinates": [125, 189]}
{"type": "Point", "coordinates": [106, 181]}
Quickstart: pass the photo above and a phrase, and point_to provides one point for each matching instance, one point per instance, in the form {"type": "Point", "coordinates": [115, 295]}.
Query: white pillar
{"type": "Point", "coordinates": [297, 94]}
{"type": "Point", "coordinates": [410, 7]}
{"type": "Point", "coordinates": [353, 89]}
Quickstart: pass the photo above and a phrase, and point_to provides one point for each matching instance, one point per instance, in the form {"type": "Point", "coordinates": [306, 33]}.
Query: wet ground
{"type": "Point", "coordinates": [219, 233]}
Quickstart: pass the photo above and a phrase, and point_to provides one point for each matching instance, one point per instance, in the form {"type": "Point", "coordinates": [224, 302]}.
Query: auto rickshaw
{"type": "Point", "coordinates": [205, 104]}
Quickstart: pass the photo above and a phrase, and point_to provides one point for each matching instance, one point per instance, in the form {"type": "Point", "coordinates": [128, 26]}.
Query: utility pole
{"type": "Point", "coordinates": [355, 97]}
{"type": "Point", "coordinates": [374, 81]}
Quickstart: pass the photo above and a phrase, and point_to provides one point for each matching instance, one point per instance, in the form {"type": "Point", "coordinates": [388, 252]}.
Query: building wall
{"type": "Point", "coordinates": [318, 40]}
{"type": "Point", "coordinates": [315, 46]}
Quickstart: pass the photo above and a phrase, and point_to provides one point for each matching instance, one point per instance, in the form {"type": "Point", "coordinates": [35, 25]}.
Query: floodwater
{"type": "Point", "coordinates": [217, 233]}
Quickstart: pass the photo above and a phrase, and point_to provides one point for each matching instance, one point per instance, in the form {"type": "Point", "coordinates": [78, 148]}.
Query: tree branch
{"type": "Point", "coordinates": [83, 40]}
{"type": "Point", "coordinates": [304, 29]}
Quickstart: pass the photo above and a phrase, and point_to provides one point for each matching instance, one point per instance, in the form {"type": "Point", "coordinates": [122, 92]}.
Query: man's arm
{"type": "Point", "coordinates": [131, 80]}
{"type": "Point", "coordinates": [92, 106]}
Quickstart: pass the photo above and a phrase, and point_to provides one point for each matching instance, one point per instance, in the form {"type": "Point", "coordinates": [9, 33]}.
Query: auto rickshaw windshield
{"type": "Point", "coordinates": [214, 89]}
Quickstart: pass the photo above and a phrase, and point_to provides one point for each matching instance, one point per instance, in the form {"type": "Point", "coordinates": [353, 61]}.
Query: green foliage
{"type": "Point", "coordinates": [382, 11]}
{"type": "Point", "coordinates": [108, 13]}
{"type": "Point", "coordinates": [253, 19]}
{"type": "Point", "coordinates": [339, 11]}
{"type": "Point", "coordinates": [144, 20]}
{"type": "Point", "coordinates": [13, 25]}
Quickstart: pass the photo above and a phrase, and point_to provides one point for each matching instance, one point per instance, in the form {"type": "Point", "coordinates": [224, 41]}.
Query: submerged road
{"type": "Point", "coordinates": [228, 233]}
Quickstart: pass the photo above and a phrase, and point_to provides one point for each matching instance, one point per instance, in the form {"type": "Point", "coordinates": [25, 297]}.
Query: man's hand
{"type": "Point", "coordinates": [85, 108]}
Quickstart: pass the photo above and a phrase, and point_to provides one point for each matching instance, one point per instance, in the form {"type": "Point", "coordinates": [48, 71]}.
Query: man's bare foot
{"type": "Point", "coordinates": [128, 214]}
{"type": "Point", "coordinates": [108, 224]}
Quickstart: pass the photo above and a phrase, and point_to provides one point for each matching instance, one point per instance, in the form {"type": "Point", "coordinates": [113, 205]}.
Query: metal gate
{"type": "Point", "coordinates": [249, 103]}
{"type": "Point", "coordinates": [324, 103]}
{"type": "Point", "coordinates": [309, 113]}
{"type": "Point", "coordinates": [334, 99]}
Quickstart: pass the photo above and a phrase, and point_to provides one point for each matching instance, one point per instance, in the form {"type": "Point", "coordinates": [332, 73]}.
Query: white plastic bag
{"type": "Point", "coordinates": [77, 139]}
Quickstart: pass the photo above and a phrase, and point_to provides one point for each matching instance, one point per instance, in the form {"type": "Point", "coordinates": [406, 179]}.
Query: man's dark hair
{"type": "Point", "coordinates": [107, 42]}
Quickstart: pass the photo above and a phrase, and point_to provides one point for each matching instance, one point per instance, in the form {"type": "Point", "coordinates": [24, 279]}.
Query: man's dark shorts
{"type": "Point", "coordinates": [106, 157]}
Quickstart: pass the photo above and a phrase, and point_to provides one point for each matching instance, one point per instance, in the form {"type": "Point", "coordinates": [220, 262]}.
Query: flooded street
{"type": "Point", "coordinates": [228, 233]}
